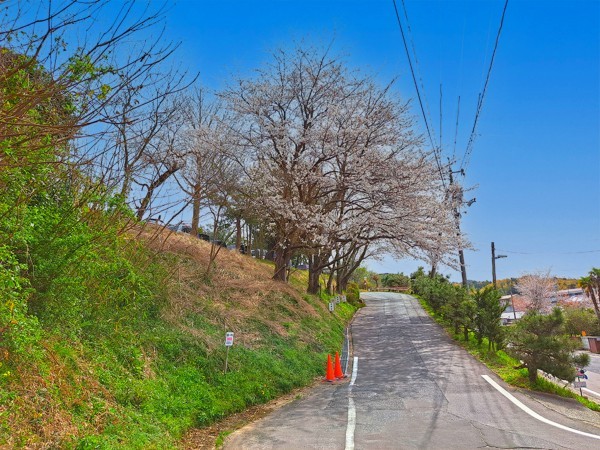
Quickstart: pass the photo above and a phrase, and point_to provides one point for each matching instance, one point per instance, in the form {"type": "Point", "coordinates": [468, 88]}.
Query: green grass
{"type": "Point", "coordinates": [221, 439]}
{"type": "Point", "coordinates": [125, 377]}
{"type": "Point", "coordinates": [504, 365]}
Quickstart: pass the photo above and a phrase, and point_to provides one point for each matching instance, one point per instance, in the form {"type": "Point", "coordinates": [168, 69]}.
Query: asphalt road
{"type": "Point", "coordinates": [413, 388]}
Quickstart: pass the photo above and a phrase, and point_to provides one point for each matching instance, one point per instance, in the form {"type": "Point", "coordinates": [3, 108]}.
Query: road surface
{"type": "Point", "coordinates": [413, 388]}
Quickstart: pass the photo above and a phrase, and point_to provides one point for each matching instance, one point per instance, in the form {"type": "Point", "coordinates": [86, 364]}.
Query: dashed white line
{"type": "Point", "coordinates": [351, 425]}
{"type": "Point", "coordinates": [354, 371]}
{"type": "Point", "coordinates": [533, 413]}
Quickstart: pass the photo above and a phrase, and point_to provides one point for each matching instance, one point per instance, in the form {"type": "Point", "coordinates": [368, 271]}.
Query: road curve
{"type": "Point", "coordinates": [415, 389]}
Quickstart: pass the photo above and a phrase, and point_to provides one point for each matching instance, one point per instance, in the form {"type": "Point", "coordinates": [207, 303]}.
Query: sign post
{"type": "Point", "coordinates": [580, 384]}
{"type": "Point", "coordinates": [228, 343]}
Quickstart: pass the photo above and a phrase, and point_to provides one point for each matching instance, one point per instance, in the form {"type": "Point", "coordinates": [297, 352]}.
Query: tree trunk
{"type": "Point", "coordinates": [433, 271]}
{"type": "Point", "coordinates": [343, 283]}
{"type": "Point", "coordinates": [238, 234]}
{"type": "Point", "coordinates": [281, 259]}
{"type": "Point", "coordinates": [330, 281]}
{"type": "Point", "coordinates": [595, 302]}
{"type": "Point", "coordinates": [250, 242]}
{"type": "Point", "coordinates": [532, 374]}
{"type": "Point", "coordinates": [314, 274]}
{"type": "Point", "coordinates": [313, 281]}
{"type": "Point", "coordinates": [196, 210]}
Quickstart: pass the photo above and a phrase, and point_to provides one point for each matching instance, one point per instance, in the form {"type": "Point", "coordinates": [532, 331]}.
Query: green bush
{"type": "Point", "coordinates": [541, 343]}
{"type": "Point", "coordinates": [353, 294]}
{"type": "Point", "coordinates": [578, 320]}
{"type": "Point", "coordinates": [395, 280]}
{"type": "Point", "coordinates": [436, 291]}
{"type": "Point", "coordinates": [488, 312]}
{"type": "Point", "coordinates": [18, 330]}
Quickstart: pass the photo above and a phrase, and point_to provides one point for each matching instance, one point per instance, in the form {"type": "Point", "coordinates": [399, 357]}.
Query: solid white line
{"type": "Point", "coordinates": [351, 425]}
{"type": "Point", "coordinates": [351, 408]}
{"type": "Point", "coordinates": [533, 413]}
{"type": "Point", "coordinates": [591, 392]}
{"type": "Point", "coordinates": [354, 371]}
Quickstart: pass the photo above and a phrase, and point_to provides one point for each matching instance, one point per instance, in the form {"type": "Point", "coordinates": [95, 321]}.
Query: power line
{"type": "Point", "coordinates": [550, 253]}
{"type": "Point", "coordinates": [471, 141]}
{"type": "Point", "coordinates": [456, 129]}
{"type": "Point", "coordinates": [418, 72]}
{"type": "Point", "coordinates": [412, 71]}
{"type": "Point", "coordinates": [441, 116]}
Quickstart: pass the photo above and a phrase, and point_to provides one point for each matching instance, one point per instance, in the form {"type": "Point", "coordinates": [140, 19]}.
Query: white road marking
{"type": "Point", "coordinates": [533, 413]}
{"type": "Point", "coordinates": [351, 408]}
{"type": "Point", "coordinates": [354, 371]}
{"type": "Point", "coordinates": [591, 392]}
{"type": "Point", "coordinates": [351, 425]}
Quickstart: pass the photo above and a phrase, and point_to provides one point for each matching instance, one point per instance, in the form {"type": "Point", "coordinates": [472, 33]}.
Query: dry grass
{"type": "Point", "coordinates": [237, 283]}
{"type": "Point", "coordinates": [239, 295]}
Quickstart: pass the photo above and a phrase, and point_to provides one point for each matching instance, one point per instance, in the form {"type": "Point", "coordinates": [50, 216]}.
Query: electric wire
{"type": "Point", "coordinates": [418, 72]}
{"type": "Point", "coordinates": [471, 141]}
{"type": "Point", "coordinates": [456, 129]}
{"type": "Point", "coordinates": [414, 78]}
{"type": "Point", "coordinates": [548, 253]}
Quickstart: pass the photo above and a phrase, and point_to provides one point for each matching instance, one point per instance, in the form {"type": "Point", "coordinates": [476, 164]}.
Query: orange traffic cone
{"type": "Point", "coordinates": [338, 366]}
{"type": "Point", "coordinates": [330, 376]}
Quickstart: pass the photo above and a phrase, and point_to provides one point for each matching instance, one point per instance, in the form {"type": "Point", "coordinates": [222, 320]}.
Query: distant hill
{"type": "Point", "coordinates": [507, 285]}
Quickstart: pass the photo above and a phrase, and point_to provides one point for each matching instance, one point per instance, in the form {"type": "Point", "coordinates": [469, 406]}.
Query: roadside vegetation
{"type": "Point", "coordinates": [515, 353]}
{"type": "Point", "coordinates": [112, 322]}
{"type": "Point", "coordinates": [125, 345]}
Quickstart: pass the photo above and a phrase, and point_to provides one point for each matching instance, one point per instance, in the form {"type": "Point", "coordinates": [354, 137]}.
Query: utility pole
{"type": "Point", "coordinates": [494, 258]}
{"type": "Point", "coordinates": [461, 254]}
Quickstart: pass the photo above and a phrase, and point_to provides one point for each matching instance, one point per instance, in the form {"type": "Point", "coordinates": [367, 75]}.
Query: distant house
{"type": "Point", "coordinates": [510, 315]}
{"type": "Point", "coordinates": [574, 298]}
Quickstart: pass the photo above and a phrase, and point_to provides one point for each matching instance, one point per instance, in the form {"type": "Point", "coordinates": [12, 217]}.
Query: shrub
{"type": "Point", "coordinates": [488, 311]}
{"type": "Point", "coordinates": [395, 280]}
{"type": "Point", "coordinates": [353, 294]}
{"type": "Point", "coordinates": [578, 320]}
{"type": "Point", "coordinates": [18, 330]}
{"type": "Point", "coordinates": [541, 343]}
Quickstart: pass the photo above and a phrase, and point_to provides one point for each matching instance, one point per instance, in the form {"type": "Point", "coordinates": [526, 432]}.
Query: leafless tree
{"type": "Point", "coordinates": [93, 78]}
{"type": "Point", "coordinates": [207, 164]}
{"type": "Point", "coordinates": [84, 59]}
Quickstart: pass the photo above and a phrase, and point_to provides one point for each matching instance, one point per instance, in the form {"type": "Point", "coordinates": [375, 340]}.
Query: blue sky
{"type": "Point", "coordinates": [536, 160]}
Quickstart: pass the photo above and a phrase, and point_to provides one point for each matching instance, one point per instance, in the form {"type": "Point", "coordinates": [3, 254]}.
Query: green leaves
{"type": "Point", "coordinates": [18, 330]}
{"type": "Point", "coordinates": [541, 343]}
{"type": "Point", "coordinates": [479, 311]}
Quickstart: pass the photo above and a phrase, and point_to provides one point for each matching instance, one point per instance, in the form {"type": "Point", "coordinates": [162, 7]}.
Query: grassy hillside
{"type": "Point", "coordinates": [122, 344]}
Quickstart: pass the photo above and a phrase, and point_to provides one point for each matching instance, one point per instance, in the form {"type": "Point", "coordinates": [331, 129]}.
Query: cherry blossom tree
{"type": "Point", "coordinates": [537, 289]}
{"type": "Point", "coordinates": [334, 164]}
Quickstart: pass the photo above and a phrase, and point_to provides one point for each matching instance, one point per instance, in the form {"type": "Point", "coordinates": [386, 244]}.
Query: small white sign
{"type": "Point", "coordinates": [229, 339]}
{"type": "Point", "coordinates": [579, 384]}
{"type": "Point", "coordinates": [331, 306]}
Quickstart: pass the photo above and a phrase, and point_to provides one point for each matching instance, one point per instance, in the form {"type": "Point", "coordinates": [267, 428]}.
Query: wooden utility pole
{"type": "Point", "coordinates": [494, 265]}
{"type": "Point", "coordinates": [494, 258]}
{"type": "Point", "coordinates": [461, 254]}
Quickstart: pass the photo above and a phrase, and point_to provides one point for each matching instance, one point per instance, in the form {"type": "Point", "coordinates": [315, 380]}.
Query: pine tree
{"type": "Point", "coordinates": [541, 343]}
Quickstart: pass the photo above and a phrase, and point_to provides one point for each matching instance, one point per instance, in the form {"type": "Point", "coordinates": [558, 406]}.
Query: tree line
{"type": "Point", "coordinates": [541, 339]}
{"type": "Point", "coordinates": [308, 158]}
